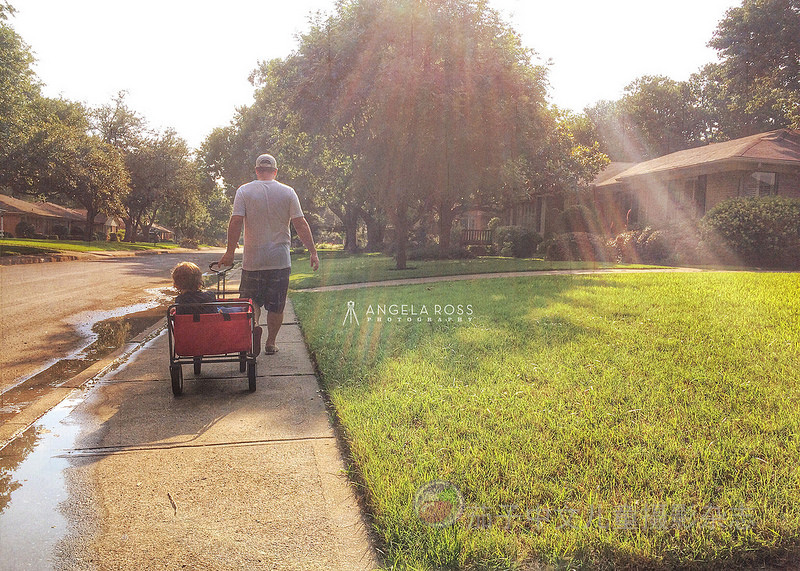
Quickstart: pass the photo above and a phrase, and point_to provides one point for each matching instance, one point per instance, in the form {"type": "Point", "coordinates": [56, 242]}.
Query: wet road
{"type": "Point", "coordinates": [46, 310]}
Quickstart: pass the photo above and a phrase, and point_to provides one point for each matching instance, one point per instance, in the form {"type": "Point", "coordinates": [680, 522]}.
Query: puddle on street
{"type": "Point", "coordinates": [110, 335]}
{"type": "Point", "coordinates": [32, 465]}
{"type": "Point", "coordinates": [32, 486]}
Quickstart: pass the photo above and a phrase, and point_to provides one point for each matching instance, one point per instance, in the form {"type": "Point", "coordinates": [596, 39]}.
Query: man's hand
{"type": "Point", "coordinates": [234, 231]}
{"type": "Point", "coordinates": [226, 260]}
{"type": "Point", "coordinates": [304, 233]}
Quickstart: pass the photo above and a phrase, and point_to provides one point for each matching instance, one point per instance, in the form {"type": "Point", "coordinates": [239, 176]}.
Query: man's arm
{"type": "Point", "coordinates": [234, 231]}
{"type": "Point", "coordinates": [304, 233]}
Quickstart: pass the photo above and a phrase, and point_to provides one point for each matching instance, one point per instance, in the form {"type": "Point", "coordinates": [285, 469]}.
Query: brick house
{"type": "Point", "coordinates": [43, 216]}
{"type": "Point", "coordinates": [687, 184]}
{"type": "Point", "coordinates": [46, 217]}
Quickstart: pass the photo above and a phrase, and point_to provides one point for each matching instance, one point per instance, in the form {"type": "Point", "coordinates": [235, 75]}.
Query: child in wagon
{"type": "Point", "coordinates": [188, 280]}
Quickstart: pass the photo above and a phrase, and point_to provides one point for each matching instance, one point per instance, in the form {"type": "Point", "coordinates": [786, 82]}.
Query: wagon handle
{"type": "Point", "coordinates": [222, 276]}
{"type": "Point", "coordinates": [219, 269]}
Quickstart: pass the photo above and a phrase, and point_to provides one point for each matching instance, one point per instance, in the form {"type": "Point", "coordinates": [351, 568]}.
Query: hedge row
{"type": "Point", "coordinates": [763, 232]}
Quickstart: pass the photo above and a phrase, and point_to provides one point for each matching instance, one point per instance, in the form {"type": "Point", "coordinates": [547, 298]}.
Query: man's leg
{"type": "Point", "coordinates": [278, 286]}
{"type": "Point", "coordinates": [274, 322]}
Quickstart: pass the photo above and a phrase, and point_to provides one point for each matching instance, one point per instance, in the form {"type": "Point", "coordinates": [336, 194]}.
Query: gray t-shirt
{"type": "Point", "coordinates": [268, 206]}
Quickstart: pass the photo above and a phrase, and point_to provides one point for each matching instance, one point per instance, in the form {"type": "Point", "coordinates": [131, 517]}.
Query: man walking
{"type": "Point", "coordinates": [264, 207]}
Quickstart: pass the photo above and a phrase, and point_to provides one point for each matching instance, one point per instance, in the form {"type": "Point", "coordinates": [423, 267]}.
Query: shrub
{"type": "Point", "coordinates": [759, 231]}
{"type": "Point", "coordinates": [647, 246]}
{"type": "Point", "coordinates": [61, 231]}
{"type": "Point", "coordinates": [657, 248]}
{"type": "Point", "coordinates": [578, 218]}
{"type": "Point", "coordinates": [25, 229]}
{"type": "Point", "coordinates": [578, 247]}
{"type": "Point", "coordinates": [516, 241]}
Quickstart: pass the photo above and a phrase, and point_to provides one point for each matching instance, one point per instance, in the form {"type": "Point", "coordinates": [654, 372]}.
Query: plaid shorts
{"type": "Point", "coordinates": [266, 287]}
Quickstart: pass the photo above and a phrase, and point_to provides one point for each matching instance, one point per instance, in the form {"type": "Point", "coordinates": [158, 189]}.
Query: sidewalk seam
{"type": "Point", "coordinates": [112, 450]}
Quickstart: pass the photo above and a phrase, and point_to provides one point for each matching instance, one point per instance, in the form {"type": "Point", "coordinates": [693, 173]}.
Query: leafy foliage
{"type": "Point", "coordinates": [643, 246]}
{"type": "Point", "coordinates": [576, 247]}
{"type": "Point", "coordinates": [578, 218]}
{"type": "Point", "coordinates": [25, 230]}
{"type": "Point", "coordinates": [763, 232]}
{"type": "Point", "coordinates": [515, 241]}
{"type": "Point", "coordinates": [406, 113]}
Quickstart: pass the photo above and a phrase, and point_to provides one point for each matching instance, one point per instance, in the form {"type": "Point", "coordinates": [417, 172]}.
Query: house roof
{"type": "Point", "coordinates": [611, 171]}
{"type": "Point", "coordinates": [46, 210]}
{"type": "Point", "coordinates": [775, 146]}
{"type": "Point", "coordinates": [43, 209]}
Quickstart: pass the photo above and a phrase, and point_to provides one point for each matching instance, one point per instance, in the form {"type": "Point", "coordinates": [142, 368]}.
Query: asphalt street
{"type": "Point", "coordinates": [47, 308]}
{"type": "Point", "coordinates": [124, 475]}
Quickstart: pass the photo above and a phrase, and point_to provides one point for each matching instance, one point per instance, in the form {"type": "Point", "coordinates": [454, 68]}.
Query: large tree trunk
{"type": "Point", "coordinates": [91, 214]}
{"type": "Point", "coordinates": [130, 229]}
{"type": "Point", "coordinates": [375, 231]}
{"type": "Point", "coordinates": [446, 216]}
{"type": "Point", "coordinates": [350, 222]}
{"type": "Point", "coordinates": [349, 218]}
{"type": "Point", "coordinates": [401, 238]}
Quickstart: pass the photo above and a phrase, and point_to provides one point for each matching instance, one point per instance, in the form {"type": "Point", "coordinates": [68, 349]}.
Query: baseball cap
{"type": "Point", "coordinates": [266, 162]}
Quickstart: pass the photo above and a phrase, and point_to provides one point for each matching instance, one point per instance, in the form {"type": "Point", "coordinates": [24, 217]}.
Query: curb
{"type": "Point", "coordinates": [19, 260]}
{"type": "Point", "coordinates": [96, 255]}
{"type": "Point", "coordinates": [38, 408]}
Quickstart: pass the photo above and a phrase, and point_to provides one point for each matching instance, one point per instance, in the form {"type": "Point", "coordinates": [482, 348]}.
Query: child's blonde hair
{"type": "Point", "coordinates": [187, 277]}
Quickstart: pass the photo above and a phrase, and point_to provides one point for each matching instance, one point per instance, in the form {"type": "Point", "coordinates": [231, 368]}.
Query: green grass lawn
{"type": "Point", "coordinates": [337, 267]}
{"type": "Point", "coordinates": [20, 247]}
{"type": "Point", "coordinates": [641, 420]}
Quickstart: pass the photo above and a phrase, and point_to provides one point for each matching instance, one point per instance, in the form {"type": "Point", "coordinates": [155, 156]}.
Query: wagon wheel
{"type": "Point", "coordinates": [176, 372]}
{"type": "Point", "coordinates": [251, 375]}
{"type": "Point", "coordinates": [197, 363]}
{"type": "Point", "coordinates": [242, 361]}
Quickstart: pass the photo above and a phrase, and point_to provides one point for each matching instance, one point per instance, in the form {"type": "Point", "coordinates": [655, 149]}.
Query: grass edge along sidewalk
{"type": "Point", "coordinates": [340, 268]}
{"type": "Point", "coordinates": [600, 421]}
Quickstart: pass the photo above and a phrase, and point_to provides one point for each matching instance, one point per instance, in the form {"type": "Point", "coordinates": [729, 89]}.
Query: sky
{"type": "Point", "coordinates": [185, 65]}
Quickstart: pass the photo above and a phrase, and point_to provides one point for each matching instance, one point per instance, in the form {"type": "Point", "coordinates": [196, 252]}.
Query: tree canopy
{"type": "Point", "coordinates": [407, 111]}
{"type": "Point", "coordinates": [753, 88]}
{"type": "Point", "coordinates": [105, 160]}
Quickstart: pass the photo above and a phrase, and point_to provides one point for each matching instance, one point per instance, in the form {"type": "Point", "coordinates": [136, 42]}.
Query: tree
{"type": "Point", "coordinates": [19, 92]}
{"type": "Point", "coordinates": [760, 40]}
{"type": "Point", "coordinates": [665, 115]}
{"type": "Point", "coordinates": [158, 180]}
{"type": "Point", "coordinates": [119, 125]}
{"type": "Point", "coordinates": [656, 116]}
{"type": "Point", "coordinates": [756, 85]}
{"type": "Point", "coordinates": [435, 103]}
{"type": "Point", "coordinates": [86, 170]}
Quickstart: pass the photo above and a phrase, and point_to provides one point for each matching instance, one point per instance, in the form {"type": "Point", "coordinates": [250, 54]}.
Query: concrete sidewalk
{"type": "Point", "coordinates": [219, 478]}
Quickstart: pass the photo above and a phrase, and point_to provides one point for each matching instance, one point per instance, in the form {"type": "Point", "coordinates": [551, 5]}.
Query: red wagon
{"type": "Point", "coordinates": [216, 332]}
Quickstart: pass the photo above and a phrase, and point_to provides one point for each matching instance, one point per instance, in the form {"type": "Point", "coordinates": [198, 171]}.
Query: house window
{"type": "Point", "coordinates": [699, 198]}
{"type": "Point", "coordinates": [759, 184]}
{"type": "Point", "coordinates": [530, 214]}
{"type": "Point", "coordinates": [686, 196]}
